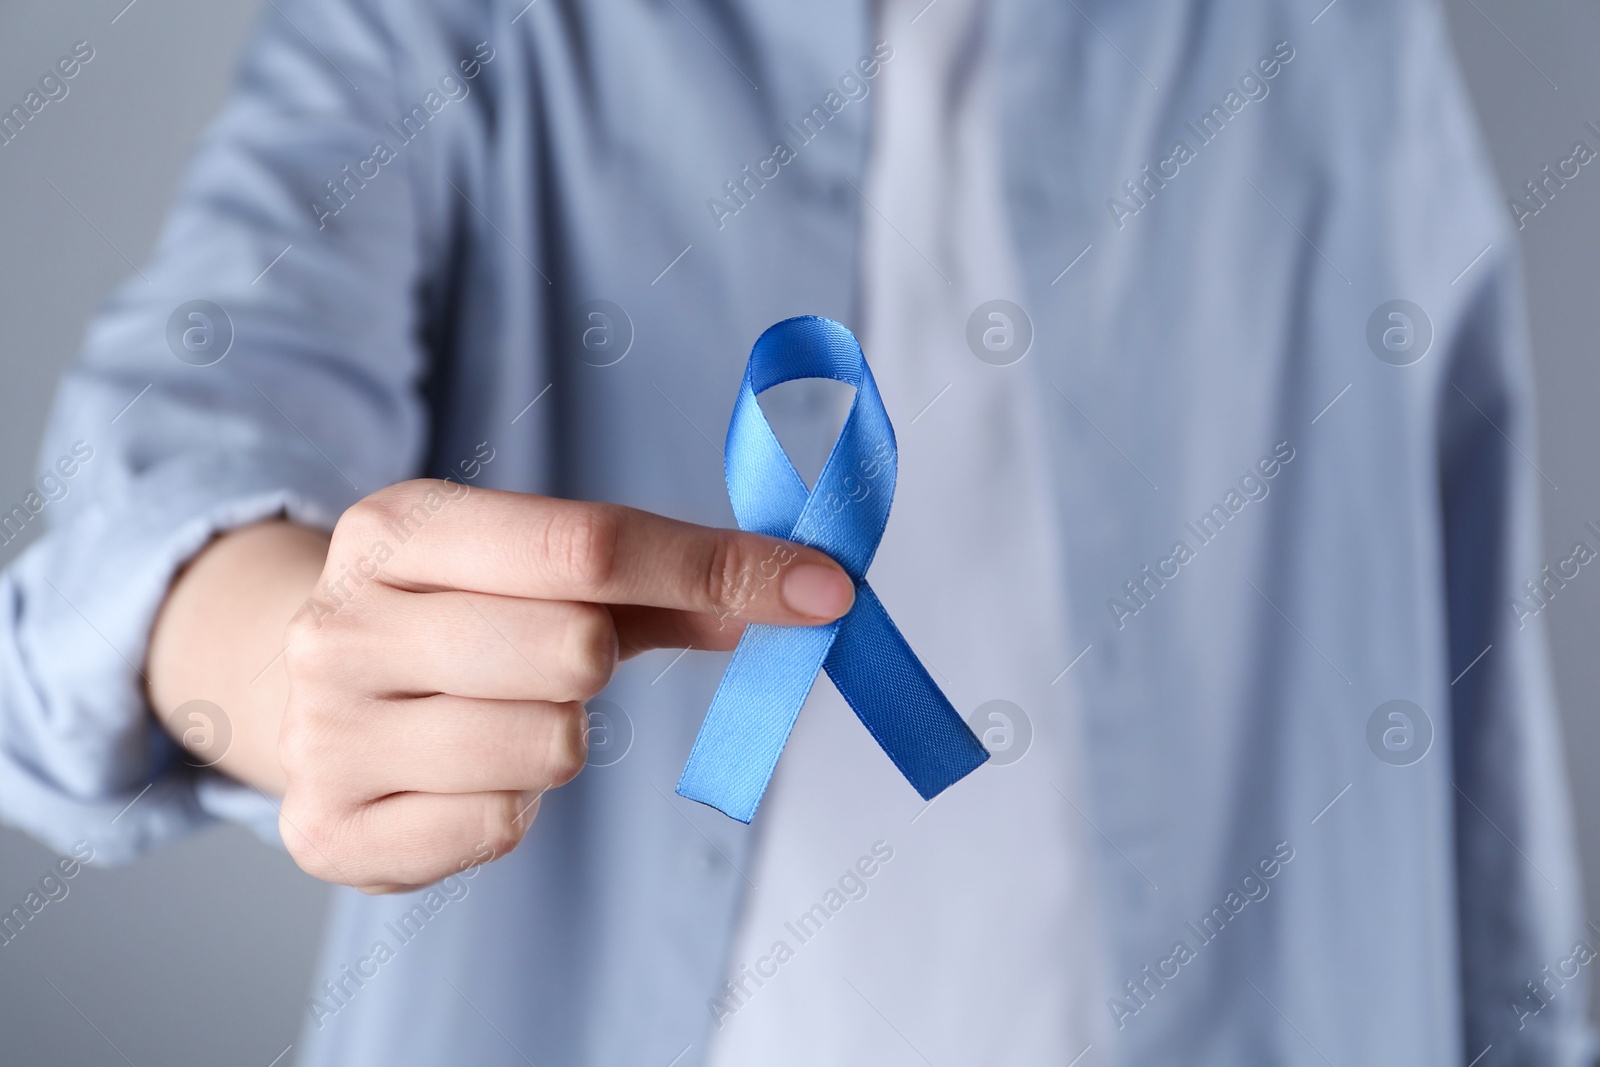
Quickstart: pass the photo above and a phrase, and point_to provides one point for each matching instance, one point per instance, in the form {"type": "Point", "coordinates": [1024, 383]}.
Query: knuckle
{"type": "Point", "coordinates": [568, 743]}
{"type": "Point", "coordinates": [296, 750]}
{"type": "Point", "coordinates": [304, 751]}
{"type": "Point", "coordinates": [308, 645]}
{"type": "Point", "coordinates": [580, 543]}
{"type": "Point", "coordinates": [303, 626]}
{"type": "Point", "coordinates": [505, 822]}
{"type": "Point", "coordinates": [311, 835]}
{"type": "Point", "coordinates": [299, 634]}
{"type": "Point", "coordinates": [361, 519]}
{"type": "Point", "coordinates": [316, 646]}
{"type": "Point", "coordinates": [321, 750]}
{"type": "Point", "coordinates": [370, 517]}
{"type": "Point", "coordinates": [592, 649]}
{"type": "Point", "coordinates": [724, 574]}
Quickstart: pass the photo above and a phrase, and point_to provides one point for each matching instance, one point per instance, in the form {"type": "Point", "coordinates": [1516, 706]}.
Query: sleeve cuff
{"type": "Point", "coordinates": [81, 756]}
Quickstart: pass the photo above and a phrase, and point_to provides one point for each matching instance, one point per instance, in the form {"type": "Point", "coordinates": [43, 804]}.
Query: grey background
{"type": "Point", "coordinates": [202, 954]}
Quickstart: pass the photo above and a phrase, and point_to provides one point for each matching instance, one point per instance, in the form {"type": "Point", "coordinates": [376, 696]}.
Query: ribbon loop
{"type": "Point", "coordinates": [844, 515]}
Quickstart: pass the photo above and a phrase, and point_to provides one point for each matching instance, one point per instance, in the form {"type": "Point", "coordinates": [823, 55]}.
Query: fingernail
{"type": "Point", "coordinates": [818, 591]}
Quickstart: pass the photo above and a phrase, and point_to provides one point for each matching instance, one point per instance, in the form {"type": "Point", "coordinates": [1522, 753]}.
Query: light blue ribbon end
{"type": "Point", "coordinates": [713, 795]}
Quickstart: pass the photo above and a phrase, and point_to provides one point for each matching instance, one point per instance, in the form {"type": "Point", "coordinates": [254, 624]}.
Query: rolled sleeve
{"type": "Point", "coordinates": [313, 404]}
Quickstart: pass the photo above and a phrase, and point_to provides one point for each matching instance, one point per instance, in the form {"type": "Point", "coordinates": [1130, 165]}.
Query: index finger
{"type": "Point", "coordinates": [442, 535]}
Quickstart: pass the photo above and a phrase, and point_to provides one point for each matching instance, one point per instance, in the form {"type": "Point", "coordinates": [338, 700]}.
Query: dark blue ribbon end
{"type": "Point", "coordinates": [928, 788]}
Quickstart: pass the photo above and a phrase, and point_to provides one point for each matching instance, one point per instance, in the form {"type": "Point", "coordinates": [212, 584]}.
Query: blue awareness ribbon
{"type": "Point", "coordinates": [774, 667]}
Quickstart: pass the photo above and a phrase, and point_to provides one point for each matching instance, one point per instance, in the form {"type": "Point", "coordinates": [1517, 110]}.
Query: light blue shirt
{"type": "Point", "coordinates": [404, 228]}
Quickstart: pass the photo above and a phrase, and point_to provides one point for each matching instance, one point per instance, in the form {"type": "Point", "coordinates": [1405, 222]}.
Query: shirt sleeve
{"type": "Point", "coordinates": [265, 361]}
{"type": "Point", "coordinates": [1518, 886]}
{"type": "Point", "coordinates": [1524, 987]}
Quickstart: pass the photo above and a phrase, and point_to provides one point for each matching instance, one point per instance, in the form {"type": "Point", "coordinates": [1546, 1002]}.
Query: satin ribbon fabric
{"type": "Point", "coordinates": [774, 667]}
